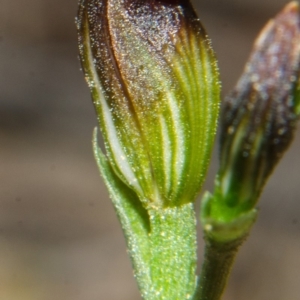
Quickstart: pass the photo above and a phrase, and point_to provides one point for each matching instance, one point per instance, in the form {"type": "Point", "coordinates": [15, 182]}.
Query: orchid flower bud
{"type": "Point", "coordinates": [155, 86]}
{"type": "Point", "coordinates": [259, 116]}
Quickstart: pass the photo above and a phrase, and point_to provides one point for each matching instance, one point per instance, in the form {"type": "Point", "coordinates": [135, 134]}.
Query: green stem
{"type": "Point", "coordinates": [218, 260]}
{"type": "Point", "coordinates": [173, 253]}
{"type": "Point", "coordinates": [222, 238]}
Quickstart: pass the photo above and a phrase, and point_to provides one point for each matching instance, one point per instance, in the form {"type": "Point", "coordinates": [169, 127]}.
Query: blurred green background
{"type": "Point", "coordinates": [59, 236]}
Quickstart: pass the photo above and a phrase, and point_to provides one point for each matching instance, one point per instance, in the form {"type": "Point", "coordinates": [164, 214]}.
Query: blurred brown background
{"type": "Point", "coordinates": [59, 236]}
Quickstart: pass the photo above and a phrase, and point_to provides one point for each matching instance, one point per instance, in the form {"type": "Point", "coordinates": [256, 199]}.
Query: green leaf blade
{"type": "Point", "coordinates": [133, 218]}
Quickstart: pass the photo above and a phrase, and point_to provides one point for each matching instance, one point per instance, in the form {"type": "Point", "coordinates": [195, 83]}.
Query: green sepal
{"type": "Point", "coordinates": [222, 230]}
{"type": "Point", "coordinates": [132, 216]}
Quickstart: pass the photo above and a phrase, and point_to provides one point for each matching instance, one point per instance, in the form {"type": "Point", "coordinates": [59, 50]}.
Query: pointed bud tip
{"type": "Point", "coordinates": [284, 26]}
{"type": "Point", "coordinates": [291, 7]}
